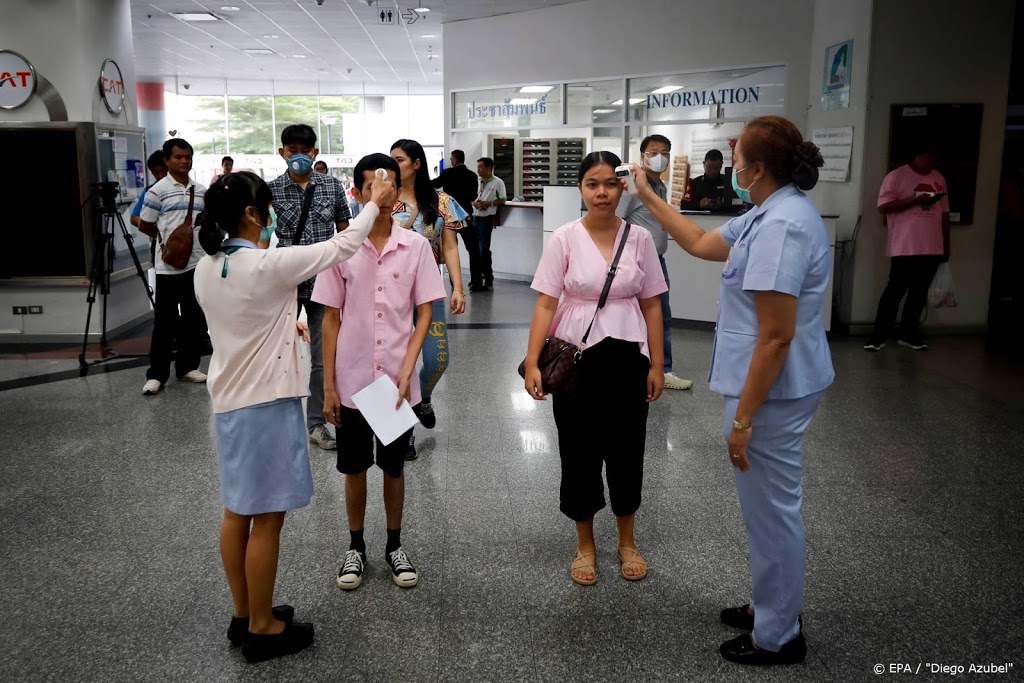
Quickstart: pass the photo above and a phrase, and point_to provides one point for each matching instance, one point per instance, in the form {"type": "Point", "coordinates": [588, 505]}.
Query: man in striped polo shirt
{"type": "Point", "coordinates": [165, 208]}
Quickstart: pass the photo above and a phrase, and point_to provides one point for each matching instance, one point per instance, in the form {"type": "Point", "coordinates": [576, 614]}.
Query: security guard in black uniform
{"type": "Point", "coordinates": [708, 192]}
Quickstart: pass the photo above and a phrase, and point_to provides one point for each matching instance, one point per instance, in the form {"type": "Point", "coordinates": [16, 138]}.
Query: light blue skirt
{"type": "Point", "coordinates": [263, 454]}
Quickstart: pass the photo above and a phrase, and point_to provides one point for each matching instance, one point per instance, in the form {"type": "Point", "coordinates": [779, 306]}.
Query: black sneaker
{"type": "Point", "coordinates": [914, 344]}
{"type": "Point", "coordinates": [350, 576]}
{"type": "Point", "coordinates": [402, 571]}
{"type": "Point", "coordinates": [259, 647]}
{"type": "Point", "coordinates": [425, 412]}
{"type": "Point", "coordinates": [411, 454]}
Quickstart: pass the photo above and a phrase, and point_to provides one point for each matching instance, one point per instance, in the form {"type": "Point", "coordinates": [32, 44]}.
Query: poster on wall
{"type": "Point", "coordinates": [835, 87]}
{"type": "Point", "coordinates": [706, 138]}
{"type": "Point", "coordinates": [836, 145]}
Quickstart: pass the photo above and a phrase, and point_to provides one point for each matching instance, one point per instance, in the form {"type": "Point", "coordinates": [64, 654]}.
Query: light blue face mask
{"type": "Point", "coordinates": [742, 193]}
{"type": "Point", "coordinates": [300, 164]}
{"type": "Point", "coordinates": [269, 230]}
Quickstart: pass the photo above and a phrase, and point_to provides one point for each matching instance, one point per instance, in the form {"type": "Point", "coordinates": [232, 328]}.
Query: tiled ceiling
{"type": "Point", "coordinates": [341, 41]}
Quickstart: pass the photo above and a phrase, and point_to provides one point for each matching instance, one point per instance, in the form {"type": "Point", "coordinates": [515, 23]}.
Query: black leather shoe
{"type": "Point", "coordinates": [259, 647]}
{"type": "Point", "coordinates": [741, 650]}
{"type": "Point", "coordinates": [738, 617]}
{"type": "Point", "coordinates": [240, 625]}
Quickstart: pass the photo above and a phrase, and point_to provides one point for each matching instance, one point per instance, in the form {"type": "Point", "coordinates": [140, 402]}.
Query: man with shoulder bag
{"type": "Point", "coordinates": [168, 216]}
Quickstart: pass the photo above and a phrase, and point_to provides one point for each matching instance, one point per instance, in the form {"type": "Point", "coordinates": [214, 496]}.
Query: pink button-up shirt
{"type": "Point", "coordinates": [574, 269]}
{"type": "Point", "coordinates": [377, 293]}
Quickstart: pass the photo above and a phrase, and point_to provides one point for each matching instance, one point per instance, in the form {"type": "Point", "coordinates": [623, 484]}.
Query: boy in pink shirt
{"type": "Point", "coordinates": [916, 209]}
{"type": "Point", "coordinates": [367, 333]}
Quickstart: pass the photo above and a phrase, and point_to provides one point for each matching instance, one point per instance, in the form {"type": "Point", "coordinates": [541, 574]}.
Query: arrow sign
{"type": "Point", "coordinates": [411, 16]}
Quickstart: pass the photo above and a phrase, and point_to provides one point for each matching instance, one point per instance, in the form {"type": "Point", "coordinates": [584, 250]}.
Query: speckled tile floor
{"type": "Point", "coordinates": [109, 512]}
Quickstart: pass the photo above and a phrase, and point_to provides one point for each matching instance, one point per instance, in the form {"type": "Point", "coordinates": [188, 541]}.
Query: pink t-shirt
{"type": "Point", "coordinates": [376, 293]}
{"type": "Point", "coordinates": [917, 230]}
{"type": "Point", "coordinates": [573, 268]}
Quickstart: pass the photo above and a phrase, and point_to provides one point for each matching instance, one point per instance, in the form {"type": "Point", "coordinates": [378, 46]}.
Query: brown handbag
{"type": "Point", "coordinates": [558, 358]}
{"type": "Point", "coordinates": [177, 249]}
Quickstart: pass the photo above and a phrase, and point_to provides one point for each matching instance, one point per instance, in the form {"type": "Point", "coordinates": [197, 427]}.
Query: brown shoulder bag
{"type": "Point", "coordinates": [177, 249]}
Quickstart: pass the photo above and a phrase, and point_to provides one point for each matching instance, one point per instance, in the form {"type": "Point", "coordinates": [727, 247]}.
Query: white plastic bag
{"type": "Point", "coordinates": [942, 292]}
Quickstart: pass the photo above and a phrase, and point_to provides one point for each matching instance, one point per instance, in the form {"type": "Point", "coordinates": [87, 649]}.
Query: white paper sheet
{"type": "Point", "coordinates": [377, 404]}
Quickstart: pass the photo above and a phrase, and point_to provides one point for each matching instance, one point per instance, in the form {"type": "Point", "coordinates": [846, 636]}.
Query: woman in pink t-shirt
{"type": "Point", "coordinates": [620, 371]}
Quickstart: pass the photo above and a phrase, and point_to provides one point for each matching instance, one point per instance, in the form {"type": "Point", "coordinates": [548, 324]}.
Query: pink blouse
{"type": "Point", "coordinates": [574, 269]}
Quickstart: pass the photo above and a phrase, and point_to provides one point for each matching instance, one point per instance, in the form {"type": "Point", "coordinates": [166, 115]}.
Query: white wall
{"type": "Point", "coordinates": [67, 42]}
{"type": "Point", "coordinates": [608, 38]}
{"type": "Point", "coordinates": [936, 51]}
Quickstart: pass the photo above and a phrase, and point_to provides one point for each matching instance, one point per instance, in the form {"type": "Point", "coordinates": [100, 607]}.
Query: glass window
{"type": "Point", "coordinates": [293, 109]}
{"type": "Point", "coordinates": [520, 107]}
{"type": "Point", "coordinates": [332, 111]}
{"type": "Point", "coordinates": [734, 93]}
{"type": "Point", "coordinates": [595, 103]}
{"type": "Point", "coordinates": [250, 124]}
{"type": "Point", "coordinates": [201, 121]}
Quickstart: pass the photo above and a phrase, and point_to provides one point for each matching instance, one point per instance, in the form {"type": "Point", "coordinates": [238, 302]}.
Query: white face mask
{"type": "Point", "coordinates": [657, 163]}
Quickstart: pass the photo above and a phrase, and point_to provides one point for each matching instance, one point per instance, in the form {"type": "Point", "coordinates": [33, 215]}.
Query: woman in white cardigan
{"type": "Point", "coordinates": [257, 385]}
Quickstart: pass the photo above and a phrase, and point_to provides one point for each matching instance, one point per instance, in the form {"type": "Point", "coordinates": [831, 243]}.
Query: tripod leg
{"type": "Point", "coordinates": [95, 273]}
{"type": "Point", "coordinates": [130, 241]}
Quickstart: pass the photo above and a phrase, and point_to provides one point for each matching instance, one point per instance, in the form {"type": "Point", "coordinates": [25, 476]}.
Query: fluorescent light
{"type": "Point", "coordinates": [664, 90]}
{"type": "Point", "coordinates": [537, 88]}
{"type": "Point", "coordinates": [258, 51]}
{"type": "Point", "coordinates": [421, 9]}
{"type": "Point", "coordinates": [229, 8]}
{"type": "Point", "coordinates": [632, 100]}
{"type": "Point", "coordinates": [523, 100]}
{"type": "Point", "coordinates": [197, 16]}
{"type": "Point", "coordinates": [429, 35]}
{"type": "Point", "coordinates": [298, 56]}
{"type": "Point", "coordinates": [604, 111]}
{"type": "Point", "coordinates": [270, 35]}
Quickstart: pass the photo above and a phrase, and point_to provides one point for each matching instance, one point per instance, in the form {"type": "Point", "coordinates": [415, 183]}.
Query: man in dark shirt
{"type": "Point", "coordinates": [708, 192]}
{"type": "Point", "coordinates": [461, 183]}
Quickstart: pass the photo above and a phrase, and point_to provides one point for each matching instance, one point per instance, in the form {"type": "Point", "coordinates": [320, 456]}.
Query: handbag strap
{"type": "Point", "coordinates": [307, 201]}
{"type": "Point", "coordinates": [607, 284]}
{"type": "Point", "coordinates": [188, 217]}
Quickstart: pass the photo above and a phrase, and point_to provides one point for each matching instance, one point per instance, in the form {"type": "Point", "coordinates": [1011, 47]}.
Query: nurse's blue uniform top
{"type": "Point", "coordinates": [781, 246]}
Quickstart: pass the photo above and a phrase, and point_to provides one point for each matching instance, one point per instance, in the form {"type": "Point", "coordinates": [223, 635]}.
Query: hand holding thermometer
{"type": "Point", "coordinates": [381, 173]}
{"type": "Point", "coordinates": [625, 172]}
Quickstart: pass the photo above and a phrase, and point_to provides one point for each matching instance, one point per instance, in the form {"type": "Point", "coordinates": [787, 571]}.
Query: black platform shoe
{"type": "Point", "coordinates": [738, 617]}
{"type": "Point", "coordinates": [742, 651]}
{"type": "Point", "coordinates": [240, 625]}
{"type": "Point", "coordinates": [259, 647]}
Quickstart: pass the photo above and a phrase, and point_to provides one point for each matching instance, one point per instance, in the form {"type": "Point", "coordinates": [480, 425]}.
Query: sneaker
{"type": "Point", "coordinates": [874, 346]}
{"type": "Point", "coordinates": [193, 376]}
{"type": "Point", "coordinates": [425, 412]}
{"type": "Point", "coordinates": [402, 571]}
{"type": "Point", "coordinates": [152, 387]}
{"type": "Point", "coordinates": [411, 454]}
{"type": "Point", "coordinates": [350, 576]}
{"type": "Point", "coordinates": [319, 436]}
{"type": "Point", "coordinates": [915, 345]}
{"type": "Point", "coordinates": [672, 381]}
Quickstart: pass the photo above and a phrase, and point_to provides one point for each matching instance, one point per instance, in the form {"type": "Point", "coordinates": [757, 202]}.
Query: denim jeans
{"type": "Point", "coordinates": [436, 354]}
{"type": "Point", "coordinates": [666, 320]}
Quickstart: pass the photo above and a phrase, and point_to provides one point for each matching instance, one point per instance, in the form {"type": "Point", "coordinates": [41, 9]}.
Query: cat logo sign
{"type": "Point", "coordinates": [112, 87]}
{"type": "Point", "coordinates": [17, 80]}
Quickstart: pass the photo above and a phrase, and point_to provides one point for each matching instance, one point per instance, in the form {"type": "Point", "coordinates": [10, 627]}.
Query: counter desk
{"type": "Point", "coordinates": [517, 245]}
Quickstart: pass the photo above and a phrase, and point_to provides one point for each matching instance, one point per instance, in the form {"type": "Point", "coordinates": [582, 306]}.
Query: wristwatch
{"type": "Point", "coordinates": [740, 426]}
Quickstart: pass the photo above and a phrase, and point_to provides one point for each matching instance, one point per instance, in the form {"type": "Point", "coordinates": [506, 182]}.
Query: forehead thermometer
{"type": "Point", "coordinates": [382, 174]}
{"type": "Point", "coordinates": [624, 171]}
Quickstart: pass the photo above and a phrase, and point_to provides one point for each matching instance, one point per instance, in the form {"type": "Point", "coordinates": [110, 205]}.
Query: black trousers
{"type": "Point", "coordinates": [471, 240]}
{"type": "Point", "coordinates": [188, 327]}
{"type": "Point", "coordinates": [910, 276]}
{"type": "Point", "coordinates": [604, 423]}
{"type": "Point", "coordinates": [484, 227]}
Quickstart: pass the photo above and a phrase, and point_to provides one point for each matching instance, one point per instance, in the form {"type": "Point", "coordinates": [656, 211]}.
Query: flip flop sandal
{"type": "Point", "coordinates": [580, 563]}
{"type": "Point", "coordinates": [632, 556]}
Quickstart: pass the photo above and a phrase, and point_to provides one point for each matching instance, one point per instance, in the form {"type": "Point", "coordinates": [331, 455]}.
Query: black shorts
{"type": "Point", "coordinates": [355, 446]}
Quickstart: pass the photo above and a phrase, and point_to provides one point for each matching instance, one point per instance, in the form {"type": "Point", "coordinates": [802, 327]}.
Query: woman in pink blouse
{"type": "Point", "coordinates": [620, 371]}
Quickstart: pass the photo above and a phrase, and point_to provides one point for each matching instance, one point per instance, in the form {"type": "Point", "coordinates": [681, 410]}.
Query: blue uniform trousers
{"type": "Point", "coordinates": [770, 494]}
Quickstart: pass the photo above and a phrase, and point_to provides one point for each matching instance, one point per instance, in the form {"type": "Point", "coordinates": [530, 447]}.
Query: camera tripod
{"type": "Point", "coordinates": [108, 217]}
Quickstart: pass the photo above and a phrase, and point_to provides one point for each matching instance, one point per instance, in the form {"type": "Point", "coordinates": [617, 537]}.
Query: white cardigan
{"type": "Point", "coordinates": [252, 312]}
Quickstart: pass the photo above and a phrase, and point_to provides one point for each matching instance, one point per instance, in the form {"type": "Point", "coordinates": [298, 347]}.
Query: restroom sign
{"type": "Point", "coordinates": [17, 80]}
{"type": "Point", "coordinates": [112, 87]}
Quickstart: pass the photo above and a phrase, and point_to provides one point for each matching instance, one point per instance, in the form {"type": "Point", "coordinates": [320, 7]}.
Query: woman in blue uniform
{"type": "Point", "coordinates": [771, 362]}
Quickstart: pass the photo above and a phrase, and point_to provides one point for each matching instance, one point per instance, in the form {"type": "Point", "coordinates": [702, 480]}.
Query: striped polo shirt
{"type": "Point", "coordinates": [166, 205]}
